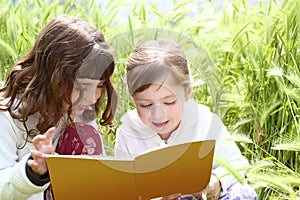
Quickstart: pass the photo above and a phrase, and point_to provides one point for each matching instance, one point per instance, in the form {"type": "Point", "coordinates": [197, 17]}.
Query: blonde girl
{"type": "Point", "coordinates": [159, 82]}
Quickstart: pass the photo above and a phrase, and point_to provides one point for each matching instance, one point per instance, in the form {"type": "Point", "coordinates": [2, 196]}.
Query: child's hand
{"type": "Point", "coordinates": [213, 190]}
{"type": "Point", "coordinates": [43, 145]}
{"type": "Point", "coordinates": [169, 197]}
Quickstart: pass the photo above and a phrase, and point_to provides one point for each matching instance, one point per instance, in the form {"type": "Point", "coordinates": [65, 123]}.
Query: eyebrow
{"type": "Point", "coordinates": [86, 83]}
{"type": "Point", "coordinates": [169, 96]}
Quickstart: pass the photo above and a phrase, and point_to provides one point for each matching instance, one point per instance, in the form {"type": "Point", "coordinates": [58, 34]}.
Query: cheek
{"type": "Point", "coordinates": [174, 111]}
{"type": "Point", "coordinates": [143, 114]}
{"type": "Point", "coordinates": [98, 93]}
{"type": "Point", "coordinates": [75, 95]}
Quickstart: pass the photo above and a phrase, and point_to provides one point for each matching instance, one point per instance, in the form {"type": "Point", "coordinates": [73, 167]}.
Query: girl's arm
{"type": "Point", "coordinates": [227, 151]}
{"type": "Point", "coordinates": [14, 183]}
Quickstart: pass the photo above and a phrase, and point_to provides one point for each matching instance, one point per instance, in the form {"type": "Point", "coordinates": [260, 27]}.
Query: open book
{"type": "Point", "coordinates": [183, 168]}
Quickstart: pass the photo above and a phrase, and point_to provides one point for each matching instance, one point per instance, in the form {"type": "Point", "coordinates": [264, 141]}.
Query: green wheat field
{"type": "Point", "coordinates": [246, 67]}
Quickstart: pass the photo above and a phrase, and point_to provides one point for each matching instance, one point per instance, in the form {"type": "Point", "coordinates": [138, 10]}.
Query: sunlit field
{"type": "Point", "coordinates": [244, 59]}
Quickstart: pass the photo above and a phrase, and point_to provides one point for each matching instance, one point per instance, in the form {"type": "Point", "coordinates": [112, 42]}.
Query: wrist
{"type": "Point", "coordinates": [36, 178]}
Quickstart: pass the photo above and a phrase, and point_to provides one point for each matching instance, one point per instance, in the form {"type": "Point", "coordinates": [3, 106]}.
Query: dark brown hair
{"type": "Point", "coordinates": [42, 82]}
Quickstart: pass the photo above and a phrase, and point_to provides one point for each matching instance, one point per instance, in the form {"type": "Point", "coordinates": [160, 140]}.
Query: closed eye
{"type": "Point", "coordinates": [170, 103]}
{"type": "Point", "coordinates": [145, 105]}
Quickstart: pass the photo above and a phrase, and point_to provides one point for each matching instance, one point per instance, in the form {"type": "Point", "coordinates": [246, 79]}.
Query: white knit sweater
{"type": "Point", "coordinates": [198, 123]}
{"type": "Point", "coordinates": [14, 184]}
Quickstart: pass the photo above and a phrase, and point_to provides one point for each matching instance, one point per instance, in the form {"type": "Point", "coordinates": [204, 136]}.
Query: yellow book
{"type": "Point", "coordinates": [182, 168]}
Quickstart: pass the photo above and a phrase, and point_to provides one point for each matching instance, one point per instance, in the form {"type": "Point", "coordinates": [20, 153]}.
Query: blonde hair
{"type": "Point", "coordinates": [156, 61]}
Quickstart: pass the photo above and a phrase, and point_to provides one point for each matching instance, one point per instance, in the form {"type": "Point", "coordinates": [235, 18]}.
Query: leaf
{"type": "Point", "coordinates": [287, 146]}
{"type": "Point", "coordinates": [8, 49]}
{"type": "Point", "coordinates": [275, 181]}
{"type": "Point", "coordinates": [233, 171]}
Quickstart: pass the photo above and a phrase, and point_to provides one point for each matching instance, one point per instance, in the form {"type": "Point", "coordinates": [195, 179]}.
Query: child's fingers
{"type": "Point", "coordinates": [169, 197]}
{"type": "Point", "coordinates": [37, 167]}
{"type": "Point", "coordinates": [49, 134]}
{"type": "Point", "coordinates": [174, 196]}
{"type": "Point", "coordinates": [45, 139]}
{"type": "Point", "coordinates": [37, 141]}
{"type": "Point", "coordinates": [37, 164]}
{"type": "Point", "coordinates": [32, 164]}
{"type": "Point", "coordinates": [37, 155]}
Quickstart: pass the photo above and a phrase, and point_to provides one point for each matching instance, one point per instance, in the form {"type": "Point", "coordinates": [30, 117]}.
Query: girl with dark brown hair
{"type": "Point", "coordinates": [65, 78]}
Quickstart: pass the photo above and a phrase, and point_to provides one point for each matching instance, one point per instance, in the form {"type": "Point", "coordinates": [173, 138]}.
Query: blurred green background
{"type": "Point", "coordinates": [246, 66]}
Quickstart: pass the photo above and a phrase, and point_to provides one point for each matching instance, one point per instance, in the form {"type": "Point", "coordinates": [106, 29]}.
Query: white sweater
{"type": "Point", "coordinates": [198, 123]}
{"type": "Point", "coordinates": [14, 184]}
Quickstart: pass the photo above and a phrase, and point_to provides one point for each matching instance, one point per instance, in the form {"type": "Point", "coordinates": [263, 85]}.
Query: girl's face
{"type": "Point", "coordinates": [91, 91]}
{"type": "Point", "coordinates": [160, 108]}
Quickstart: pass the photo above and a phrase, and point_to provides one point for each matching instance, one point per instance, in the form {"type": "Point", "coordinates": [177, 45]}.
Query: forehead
{"type": "Point", "coordinates": [150, 73]}
{"type": "Point", "coordinates": [87, 81]}
{"type": "Point", "coordinates": [157, 91]}
{"type": "Point", "coordinates": [99, 64]}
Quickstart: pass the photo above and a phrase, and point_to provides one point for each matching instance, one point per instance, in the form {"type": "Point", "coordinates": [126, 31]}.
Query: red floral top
{"type": "Point", "coordinates": [80, 139]}
{"type": "Point", "coordinates": [77, 139]}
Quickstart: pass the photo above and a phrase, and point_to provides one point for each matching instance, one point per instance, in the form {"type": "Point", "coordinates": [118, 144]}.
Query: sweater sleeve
{"type": "Point", "coordinates": [14, 184]}
{"type": "Point", "coordinates": [227, 151]}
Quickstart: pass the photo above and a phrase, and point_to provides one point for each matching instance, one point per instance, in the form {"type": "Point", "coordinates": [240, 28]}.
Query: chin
{"type": "Point", "coordinates": [78, 112]}
{"type": "Point", "coordinates": [163, 133]}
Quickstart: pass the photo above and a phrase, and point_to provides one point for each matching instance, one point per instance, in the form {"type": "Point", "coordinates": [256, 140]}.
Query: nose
{"type": "Point", "coordinates": [90, 96]}
{"type": "Point", "coordinates": [157, 113]}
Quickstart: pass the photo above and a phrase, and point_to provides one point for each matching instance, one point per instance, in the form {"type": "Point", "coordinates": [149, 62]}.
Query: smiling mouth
{"type": "Point", "coordinates": [160, 125]}
{"type": "Point", "coordinates": [82, 107]}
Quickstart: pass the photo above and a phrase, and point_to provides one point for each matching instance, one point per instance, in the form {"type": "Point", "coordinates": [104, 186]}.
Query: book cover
{"type": "Point", "coordinates": [183, 168]}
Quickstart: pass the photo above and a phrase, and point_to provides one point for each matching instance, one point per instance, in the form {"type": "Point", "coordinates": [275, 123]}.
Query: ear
{"type": "Point", "coordinates": [188, 93]}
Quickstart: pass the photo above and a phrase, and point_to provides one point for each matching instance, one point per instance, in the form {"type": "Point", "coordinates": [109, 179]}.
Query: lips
{"type": "Point", "coordinates": [82, 107]}
{"type": "Point", "coordinates": [160, 125]}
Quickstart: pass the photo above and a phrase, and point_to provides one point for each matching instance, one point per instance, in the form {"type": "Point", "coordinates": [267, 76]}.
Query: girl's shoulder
{"type": "Point", "coordinates": [202, 112]}
{"type": "Point", "coordinates": [193, 105]}
{"type": "Point", "coordinates": [9, 126]}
